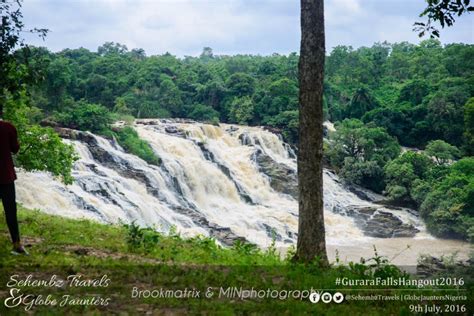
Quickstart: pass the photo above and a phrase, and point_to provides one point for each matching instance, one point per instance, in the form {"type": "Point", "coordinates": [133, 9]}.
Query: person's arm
{"type": "Point", "coordinates": [14, 146]}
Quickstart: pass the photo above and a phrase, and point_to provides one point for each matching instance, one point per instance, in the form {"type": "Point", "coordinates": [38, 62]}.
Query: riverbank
{"type": "Point", "coordinates": [131, 258]}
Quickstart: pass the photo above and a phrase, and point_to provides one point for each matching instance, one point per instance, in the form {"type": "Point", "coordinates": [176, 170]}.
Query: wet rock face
{"type": "Point", "coordinates": [429, 266]}
{"type": "Point", "coordinates": [387, 225]}
{"type": "Point", "coordinates": [232, 129]}
{"type": "Point", "coordinates": [171, 129]}
{"type": "Point", "coordinates": [223, 234]}
{"type": "Point", "coordinates": [274, 130]}
{"type": "Point", "coordinates": [364, 194]}
{"type": "Point", "coordinates": [282, 178]}
{"type": "Point", "coordinates": [175, 131]}
{"type": "Point", "coordinates": [381, 224]}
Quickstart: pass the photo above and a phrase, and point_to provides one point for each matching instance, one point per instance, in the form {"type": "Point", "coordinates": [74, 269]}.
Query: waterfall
{"type": "Point", "coordinates": [230, 182]}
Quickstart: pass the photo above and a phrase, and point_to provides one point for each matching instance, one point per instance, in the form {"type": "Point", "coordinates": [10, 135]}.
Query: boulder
{"type": "Point", "coordinates": [171, 129]}
{"type": "Point", "coordinates": [282, 178]}
{"type": "Point", "coordinates": [429, 266]}
{"type": "Point", "coordinates": [386, 225]}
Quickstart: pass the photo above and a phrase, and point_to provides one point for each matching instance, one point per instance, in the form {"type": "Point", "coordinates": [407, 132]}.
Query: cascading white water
{"type": "Point", "coordinates": [209, 183]}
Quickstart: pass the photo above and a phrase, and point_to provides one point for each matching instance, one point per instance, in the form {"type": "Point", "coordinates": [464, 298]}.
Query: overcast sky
{"type": "Point", "coordinates": [184, 27]}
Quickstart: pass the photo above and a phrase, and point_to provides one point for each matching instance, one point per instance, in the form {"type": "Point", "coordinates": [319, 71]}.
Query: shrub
{"type": "Point", "coordinates": [360, 152]}
{"type": "Point", "coordinates": [404, 173]}
{"type": "Point", "coordinates": [131, 143]}
{"type": "Point", "coordinates": [141, 238]}
{"type": "Point", "coordinates": [205, 113]}
{"type": "Point", "coordinates": [86, 116]}
{"type": "Point", "coordinates": [449, 207]}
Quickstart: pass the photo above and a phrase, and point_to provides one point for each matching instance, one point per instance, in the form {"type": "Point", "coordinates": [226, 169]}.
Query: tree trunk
{"type": "Point", "coordinates": [311, 233]}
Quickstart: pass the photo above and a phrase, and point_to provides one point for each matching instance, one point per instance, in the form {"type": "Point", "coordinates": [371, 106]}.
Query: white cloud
{"type": "Point", "coordinates": [183, 27]}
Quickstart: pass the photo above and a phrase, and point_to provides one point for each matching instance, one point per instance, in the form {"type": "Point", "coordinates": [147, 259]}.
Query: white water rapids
{"type": "Point", "coordinates": [210, 183]}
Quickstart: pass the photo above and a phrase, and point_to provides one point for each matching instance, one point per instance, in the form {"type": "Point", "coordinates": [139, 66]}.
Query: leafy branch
{"type": "Point", "coordinates": [442, 11]}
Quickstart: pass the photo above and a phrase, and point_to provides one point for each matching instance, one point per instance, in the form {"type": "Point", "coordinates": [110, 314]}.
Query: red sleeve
{"type": "Point", "coordinates": [15, 147]}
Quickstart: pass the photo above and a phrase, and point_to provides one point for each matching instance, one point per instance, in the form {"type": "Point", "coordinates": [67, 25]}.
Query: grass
{"type": "Point", "coordinates": [134, 257]}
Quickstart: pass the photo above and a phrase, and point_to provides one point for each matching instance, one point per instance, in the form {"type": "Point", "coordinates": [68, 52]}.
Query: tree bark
{"type": "Point", "coordinates": [311, 232]}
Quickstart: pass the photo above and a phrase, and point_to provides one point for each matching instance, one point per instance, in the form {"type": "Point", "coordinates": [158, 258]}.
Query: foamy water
{"type": "Point", "coordinates": [190, 180]}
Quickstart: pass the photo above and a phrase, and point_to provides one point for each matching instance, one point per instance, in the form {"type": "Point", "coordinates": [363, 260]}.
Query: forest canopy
{"type": "Point", "coordinates": [417, 92]}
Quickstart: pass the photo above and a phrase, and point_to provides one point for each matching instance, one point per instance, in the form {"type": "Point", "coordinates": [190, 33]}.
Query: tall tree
{"type": "Point", "coordinates": [311, 232]}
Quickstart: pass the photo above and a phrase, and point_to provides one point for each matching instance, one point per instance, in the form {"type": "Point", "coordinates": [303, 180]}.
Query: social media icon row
{"type": "Point", "coordinates": [326, 297]}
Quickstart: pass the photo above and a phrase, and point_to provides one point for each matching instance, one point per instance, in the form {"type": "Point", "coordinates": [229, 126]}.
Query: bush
{"type": "Point", "coordinates": [449, 208]}
{"type": "Point", "coordinates": [86, 116]}
{"type": "Point", "coordinates": [368, 174]}
{"type": "Point", "coordinates": [139, 238]}
{"type": "Point", "coordinates": [131, 143]}
{"type": "Point", "coordinates": [41, 148]}
{"type": "Point", "coordinates": [442, 151]}
{"type": "Point", "coordinates": [205, 113]}
{"type": "Point", "coordinates": [361, 151]}
{"type": "Point", "coordinates": [242, 110]}
{"type": "Point", "coordinates": [404, 173]}
{"type": "Point", "coordinates": [288, 121]}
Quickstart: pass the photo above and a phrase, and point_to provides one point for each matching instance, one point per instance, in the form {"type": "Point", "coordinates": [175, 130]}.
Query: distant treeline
{"type": "Point", "coordinates": [417, 92]}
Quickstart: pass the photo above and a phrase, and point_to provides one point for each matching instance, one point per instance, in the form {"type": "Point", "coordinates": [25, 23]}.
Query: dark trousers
{"type": "Point", "coordinates": [7, 194]}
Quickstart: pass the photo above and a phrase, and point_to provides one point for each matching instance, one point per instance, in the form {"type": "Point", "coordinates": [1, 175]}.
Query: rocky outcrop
{"type": "Point", "coordinates": [272, 129]}
{"type": "Point", "coordinates": [223, 234]}
{"type": "Point", "coordinates": [378, 223]}
{"type": "Point", "coordinates": [365, 194]}
{"type": "Point", "coordinates": [386, 225]}
{"type": "Point", "coordinates": [282, 178]}
{"type": "Point", "coordinates": [247, 141]}
{"type": "Point", "coordinates": [429, 266]}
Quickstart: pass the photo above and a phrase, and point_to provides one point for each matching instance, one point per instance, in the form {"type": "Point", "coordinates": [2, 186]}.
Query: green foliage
{"type": "Point", "coordinates": [204, 113]}
{"type": "Point", "coordinates": [361, 103]}
{"type": "Point", "coordinates": [170, 97]}
{"type": "Point", "coordinates": [403, 175]}
{"type": "Point", "coordinates": [443, 12]}
{"type": "Point", "coordinates": [445, 113]}
{"type": "Point", "coordinates": [376, 267]}
{"type": "Point", "coordinates": [240, 84]}
{"type": "Point", "coordinates": [141, 239]}
{"type": "Point", "coordinates": [288, 121]}
{"type": "Point", "coordinates": [41, 148]}
{"type": "Point", "coordinates": [241, 110]}
{"type": "Point", "coordinates": [86, 116]}
{"type": "Point", "coordinates": [368, 174]}
{"type": "Point", "coordinates": [14, 74]}
{"type": "Point", "coordinates": [413, 91]}
{"type": "Point", "coordinates": [121, 107]}
{"type": "Point", "coordinates": [130, 141]}
{"type": "Point", "coordinates": [442, 151]}
{"type": "Point", "coordinates": [360, 152]}
{"type": "Point", "coordinates": [419, 96]}
{"type": "Point", "coordinates": [469, 126]}
{"type": "Point", "coordinates": [449, 207]}
{"type": "Point", "coordinates": [245, 248]}
{"type": "Point", "coordinates": [416, 92]}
